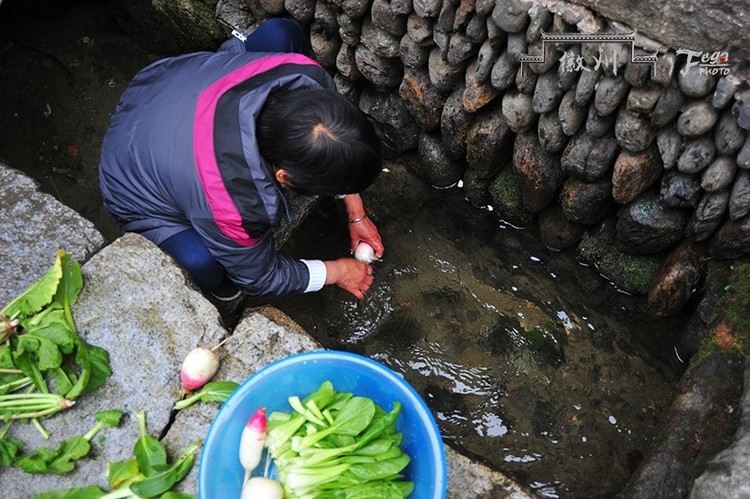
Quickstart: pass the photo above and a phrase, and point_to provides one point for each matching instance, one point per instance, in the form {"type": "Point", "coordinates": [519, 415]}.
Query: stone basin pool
{"type": "Point", "coordinates": [530, 362]}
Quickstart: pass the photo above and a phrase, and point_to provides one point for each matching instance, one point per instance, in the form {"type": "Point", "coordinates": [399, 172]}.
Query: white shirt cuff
{"type": "Point", "coordinates": [318, 274]}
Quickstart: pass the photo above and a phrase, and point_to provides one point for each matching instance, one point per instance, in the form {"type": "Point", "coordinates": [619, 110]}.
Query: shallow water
{"type": "Point", "coordinates": [528, 360]}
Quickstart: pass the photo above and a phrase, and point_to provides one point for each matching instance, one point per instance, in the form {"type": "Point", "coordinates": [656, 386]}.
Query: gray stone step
{"type": "Point", "coordinates": [138, 305]}
{"type": "Point", "coordinates": [33, 225]}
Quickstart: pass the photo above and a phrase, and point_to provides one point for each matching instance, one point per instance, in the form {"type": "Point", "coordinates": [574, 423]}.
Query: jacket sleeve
{"type": "Point", "coordinates": [261, 270]}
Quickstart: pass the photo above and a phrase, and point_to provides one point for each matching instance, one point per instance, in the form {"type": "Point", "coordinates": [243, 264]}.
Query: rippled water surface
{"type": "Point", "coordinates": [529, 361]}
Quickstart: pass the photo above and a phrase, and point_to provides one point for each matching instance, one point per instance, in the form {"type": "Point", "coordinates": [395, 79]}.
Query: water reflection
{"type": "Point", "coordinates": [525, 358]}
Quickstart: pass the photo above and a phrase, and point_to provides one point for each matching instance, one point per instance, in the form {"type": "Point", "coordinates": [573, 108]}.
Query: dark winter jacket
{"type": "Point", "coordinates": [180, 152]}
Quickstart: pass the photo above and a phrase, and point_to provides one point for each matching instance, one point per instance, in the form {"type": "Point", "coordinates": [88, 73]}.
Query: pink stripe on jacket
{"type": "Point", "coordinates": [223, 208]}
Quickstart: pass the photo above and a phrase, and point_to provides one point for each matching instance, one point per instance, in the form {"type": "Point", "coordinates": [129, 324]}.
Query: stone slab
{"type": "Point", "coordinates": [33, 226]}
{"type": "Point", "coordinates": [138, 305]}
{"type": "Point", "coordinates": [267, 334]}
{"type": "Point", "coordinates": [728, 473]}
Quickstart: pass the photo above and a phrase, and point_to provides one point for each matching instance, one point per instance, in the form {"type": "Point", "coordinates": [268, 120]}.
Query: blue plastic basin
{"type": "Point", "coordinates": [220, 473]}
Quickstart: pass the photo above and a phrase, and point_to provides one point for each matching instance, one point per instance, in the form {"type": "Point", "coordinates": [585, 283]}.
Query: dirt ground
{"type": "Point", "coordinates": [62, 71]}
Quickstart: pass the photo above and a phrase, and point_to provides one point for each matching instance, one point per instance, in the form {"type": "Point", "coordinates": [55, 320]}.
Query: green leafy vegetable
{"type": "Point", "coordinates": [146, 475]}
{"type": "Point", "coordinates": [9, 450]}
{"type": "Point", "coordinates": [38, 294]}
{"type": "Point", "coordinates": [215, 391]}
{"type": "Point", "coordinates": [62, 460]}
{"type": "Point", "coordinates": [122, 473]}
{"type": "Point", "coordinates": [48, 348]}
{"type": "Point", "coordinates": [161, 482]}
{"type": "Point", "coordinates": [338, 446]}
{"type": "Point", "coordinates": [148, 451]}
{"type": "Point", "coordinates": [91, 492]}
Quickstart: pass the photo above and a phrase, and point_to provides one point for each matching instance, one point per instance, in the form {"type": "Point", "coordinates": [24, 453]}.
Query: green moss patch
{"type": "Point", "coordinates": [506, 198]}
{"type": "Point", "coordinates": [631, 273]}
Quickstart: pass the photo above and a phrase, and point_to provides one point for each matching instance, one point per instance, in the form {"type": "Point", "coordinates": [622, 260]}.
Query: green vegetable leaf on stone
{"type": "Point", "coordinates": [162, 481]}
{"type": "Point", "coordinates": [215, 391]}
{"type": "Point", "coordinates": [62, 460]}
{"type": "Point", "coordinates": [9, 450]}
{"type": "Point", "coordinates": [148, 451]}
{"type": "Point", "coordinates": [91, 492]}
{"type": "Point", "coordinates": [38, 294]}
{"type": "Point", "coordinates": [178, 495]}
{"type": "Point", "coordinates": [122, 473]}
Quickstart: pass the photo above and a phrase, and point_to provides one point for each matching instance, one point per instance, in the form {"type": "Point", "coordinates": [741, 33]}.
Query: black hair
{"type": "Point", "coordinates": [323, 141]}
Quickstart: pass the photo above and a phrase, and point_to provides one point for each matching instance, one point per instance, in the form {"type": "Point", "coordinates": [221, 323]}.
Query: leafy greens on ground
{"type": "Point", "coordinates": [44, 364]}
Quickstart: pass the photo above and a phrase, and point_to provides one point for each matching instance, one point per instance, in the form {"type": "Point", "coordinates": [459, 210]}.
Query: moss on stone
{"type": "Point", "coordinates": [506, 198]}
{"type": "Point", "coordinates": [631, 273]}
{"type": "Point", "coordinates": [504, 189]}
{"type": "Point", "coordinates": [730, 324]}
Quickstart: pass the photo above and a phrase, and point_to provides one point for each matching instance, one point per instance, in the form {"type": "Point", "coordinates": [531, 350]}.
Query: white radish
{"type": "Point", "coordinates": [198, 368]}
{"type": "Point", "coordinates": [364, 253]}
{"type": "Point", "coordinates": [252, 440]}
{"type": "Point", "coordinates": [262, 488]}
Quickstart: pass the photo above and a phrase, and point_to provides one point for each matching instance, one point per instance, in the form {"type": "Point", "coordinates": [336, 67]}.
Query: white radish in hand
{"type": "Point", "coordinates": [198, 368]}
{"type": "Point", "coordinates": [364, 253]}
{"type": "Point", "coordinates": [252, 440]}
{"type": "Point", "coordinates": [262, 488]}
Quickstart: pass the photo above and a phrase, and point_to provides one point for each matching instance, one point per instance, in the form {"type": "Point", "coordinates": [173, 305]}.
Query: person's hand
{"type": "Point", "coordinates": [350, 275]}
{"type": "Point", "coordinates": [365, 231]}
{"type": "Point", "coordinates": [361, 227]}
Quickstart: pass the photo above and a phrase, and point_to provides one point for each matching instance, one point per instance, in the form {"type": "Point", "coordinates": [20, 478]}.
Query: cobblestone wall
{"type": "Point", "coordinates": [662, 156]}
